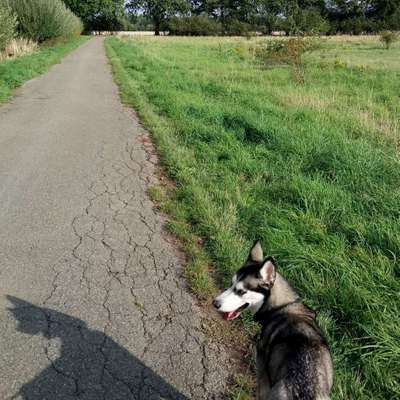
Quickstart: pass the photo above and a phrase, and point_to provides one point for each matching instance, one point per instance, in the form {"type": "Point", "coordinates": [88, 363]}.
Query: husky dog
{"type": "Point", "coordinates": [293, 359]}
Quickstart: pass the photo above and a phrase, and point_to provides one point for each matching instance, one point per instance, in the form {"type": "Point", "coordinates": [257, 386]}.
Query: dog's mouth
{"type": "Point", "coordinates": [228, 316]}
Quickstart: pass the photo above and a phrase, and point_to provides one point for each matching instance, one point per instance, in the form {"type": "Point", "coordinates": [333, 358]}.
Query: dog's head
{"type": "Point", "coordinates": [251, 285]}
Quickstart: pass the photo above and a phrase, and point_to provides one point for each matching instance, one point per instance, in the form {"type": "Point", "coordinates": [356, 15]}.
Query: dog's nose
{"type": "Point", "coordinates": [216, 304]}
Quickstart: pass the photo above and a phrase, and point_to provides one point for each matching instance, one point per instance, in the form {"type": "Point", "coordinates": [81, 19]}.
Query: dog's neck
{"type": "Point", "coordinates": [281, 295]}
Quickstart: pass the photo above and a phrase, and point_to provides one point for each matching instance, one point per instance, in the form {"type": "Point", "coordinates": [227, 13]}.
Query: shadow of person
{"type": "Point", "coordinates": [90, 365]}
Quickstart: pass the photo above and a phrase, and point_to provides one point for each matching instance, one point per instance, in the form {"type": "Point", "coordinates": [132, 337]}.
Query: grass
{"type": "Point", "coordinates": [311, 169]}
{"type": "Point", "coordinates": [14, 72]}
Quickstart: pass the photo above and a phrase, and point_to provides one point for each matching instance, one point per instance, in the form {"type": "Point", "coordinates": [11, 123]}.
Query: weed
{"type": "Point", "coordinates": [339, 63]}
{"type": "Point", "coordinates": [242, 389]}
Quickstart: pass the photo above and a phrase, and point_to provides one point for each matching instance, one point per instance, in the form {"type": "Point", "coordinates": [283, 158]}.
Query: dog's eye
{"type": "Point", "coordinates": [240, 292]}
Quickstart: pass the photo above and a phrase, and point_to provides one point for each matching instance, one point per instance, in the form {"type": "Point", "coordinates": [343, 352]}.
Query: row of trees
{"type": "Point", "coordinates": [238, 16]}
{"type": "Point", "coordinates": [108, 15]}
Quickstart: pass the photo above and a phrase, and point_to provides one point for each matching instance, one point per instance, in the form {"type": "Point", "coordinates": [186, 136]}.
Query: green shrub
{"type": "Point", "coordinates": [41, 20]}
{"type": "Point", "coordinates": [287, 51]}
{"type": "Point", "coordinates": [355, 25]}
{"type": "Point", "coordinates": [194, 26]}
{"type": "Point", "coordinates": [8, 24]}
{"type": "Point", "coordinates": [237, 28]}
{"type": "Point", "coordinates": [388, 38]}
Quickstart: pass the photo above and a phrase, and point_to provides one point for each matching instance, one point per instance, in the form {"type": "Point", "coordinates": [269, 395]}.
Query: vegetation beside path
{"type": "Point", "coordinates": [14, 72]}
{"type": "Point", "coordinates": [311, 168]}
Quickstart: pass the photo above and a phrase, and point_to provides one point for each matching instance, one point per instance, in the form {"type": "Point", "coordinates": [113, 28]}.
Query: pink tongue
{"type": "Point", "coordinates": [230, 315]}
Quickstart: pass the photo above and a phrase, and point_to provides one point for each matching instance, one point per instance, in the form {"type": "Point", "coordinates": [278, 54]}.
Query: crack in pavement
{"type": "Point", "coordinates": [113, 314]}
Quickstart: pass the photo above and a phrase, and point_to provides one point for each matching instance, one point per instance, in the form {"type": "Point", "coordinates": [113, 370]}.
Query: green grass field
{"type": "Point", "coordinates": [14, 72]}
{"type": "Point", "coordinates": [313, 170]}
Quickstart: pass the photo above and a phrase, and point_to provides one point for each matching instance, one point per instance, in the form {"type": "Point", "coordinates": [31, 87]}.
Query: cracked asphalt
{"type": "Point", "coordinates": [92, 300]}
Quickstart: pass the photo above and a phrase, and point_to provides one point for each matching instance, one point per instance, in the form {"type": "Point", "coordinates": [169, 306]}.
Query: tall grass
{"type": "Point", "coordinates": [41, 20]}
{"type": "Point", "coordinates": [307, 168]}
{"type": "Point", "coordinates": [17, 48]}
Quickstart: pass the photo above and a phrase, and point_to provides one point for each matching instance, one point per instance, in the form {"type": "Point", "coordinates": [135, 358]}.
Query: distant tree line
{"type": "Point", "coordinates": [202, 17]}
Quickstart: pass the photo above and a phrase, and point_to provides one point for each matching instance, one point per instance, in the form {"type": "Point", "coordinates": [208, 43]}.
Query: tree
{"type": "Point", "coordinates": [99, 14]}
{"type": "Point", "coordinates": [270, 15]}
{"type": "Point", "coordinates": [159, 10]}
{"type": "Point", "coordinates": [386, 13]}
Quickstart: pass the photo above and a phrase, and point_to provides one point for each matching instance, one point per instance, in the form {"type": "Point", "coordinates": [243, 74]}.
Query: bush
{"type": "Point", "coordinates": [355, 26]}
{"type": "Point", "coordinates": [388, 38]}
{"type": "Point", "coordinates": [8, 24]}
{"type": "Point", "coordinates": [193, 26]}
{"type": "Point", "coordinates": [41, 20]}
{"type": "Point", "coordinates": [238, 28]}
{"type": "Point", "coordinates": [287, 51]}
{"type": "Point", "coordinates": [206, 26]}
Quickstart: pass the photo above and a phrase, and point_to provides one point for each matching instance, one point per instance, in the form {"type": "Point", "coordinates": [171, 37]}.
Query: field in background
{"type": "Point", "coordinates": [14, 72]}
{"type": "Point", "coordinates": [312, 169]}
{"type": "Point", "coordinates": [124, 33]}
{"type": "Point", "coordinates": [362, 52]}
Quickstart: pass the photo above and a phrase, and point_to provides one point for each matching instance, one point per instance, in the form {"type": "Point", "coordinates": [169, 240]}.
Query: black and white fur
{"type": "Point", "coordinates": [293, 359]}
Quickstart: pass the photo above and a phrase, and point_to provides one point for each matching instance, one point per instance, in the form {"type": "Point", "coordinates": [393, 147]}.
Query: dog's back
{"type": "Point", "coordinates": [293, 359]}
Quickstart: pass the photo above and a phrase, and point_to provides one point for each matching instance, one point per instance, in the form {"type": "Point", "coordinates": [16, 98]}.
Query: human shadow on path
{"type": "Point", "coordinates": [90, 365]}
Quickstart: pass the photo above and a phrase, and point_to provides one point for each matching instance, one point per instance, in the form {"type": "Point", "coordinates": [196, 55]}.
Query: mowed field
{"type": "Point", "coordinates": [311, 169]}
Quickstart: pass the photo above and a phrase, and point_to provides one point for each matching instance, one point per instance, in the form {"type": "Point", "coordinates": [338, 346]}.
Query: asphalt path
{"type": "Point", "coordinates": [92, 300]}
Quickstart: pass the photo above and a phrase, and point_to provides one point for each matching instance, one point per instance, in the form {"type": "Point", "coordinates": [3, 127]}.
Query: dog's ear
{"type": "Point", "coordinates": [268, 273]}
{"type": "Point", "coordinates": [256, 253]}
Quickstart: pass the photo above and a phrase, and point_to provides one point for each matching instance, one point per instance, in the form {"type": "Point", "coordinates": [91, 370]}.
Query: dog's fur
{"type": "Point", "coordinates": [293, 359]}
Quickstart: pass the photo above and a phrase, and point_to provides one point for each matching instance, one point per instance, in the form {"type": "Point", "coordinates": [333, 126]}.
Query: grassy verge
{"type": "Point", "coordinates": [312, 170]}
{"type": "Point", "coordinates": [14, 72]}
